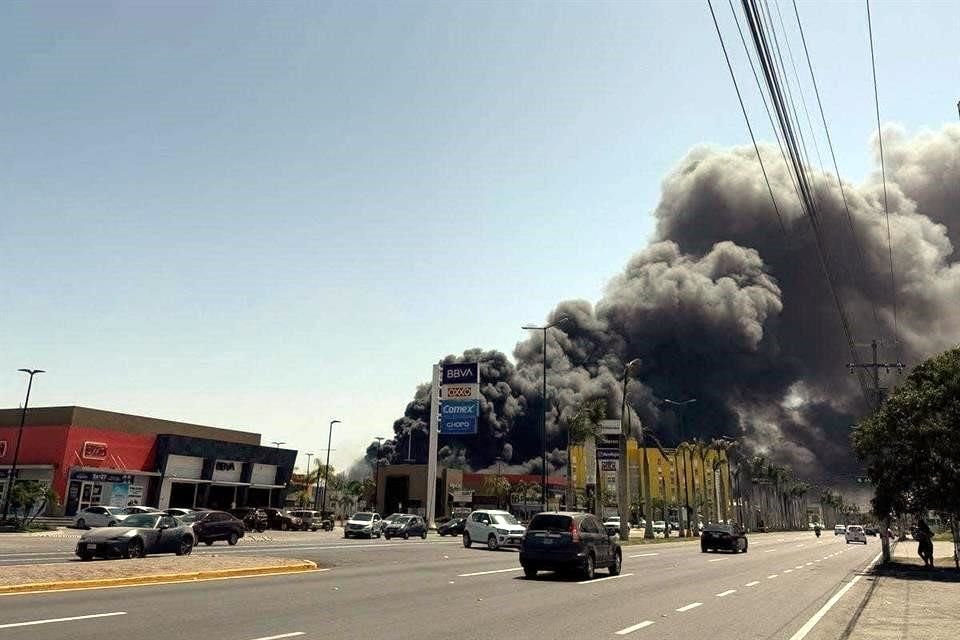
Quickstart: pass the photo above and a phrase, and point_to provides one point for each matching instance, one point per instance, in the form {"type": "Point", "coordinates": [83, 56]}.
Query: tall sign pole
{"type": "Point", "coordinates": [432, 452]}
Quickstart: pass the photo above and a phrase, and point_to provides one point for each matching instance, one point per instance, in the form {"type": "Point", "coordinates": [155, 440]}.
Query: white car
{"type": "Point", "coordinates": [99, 516]}
{"type": "Point", "coordinates": [855, 533]}
{"type": "Point", "coordinates": [612, 525]}
{"type": "Point", "coordinates": [839, 530]}
{"type": "Point", "coordinates": [493, 527]}
{"type": "Point", "coordinates": [659, 527]}
{"type": "Point", "coordinates": [363, 523]}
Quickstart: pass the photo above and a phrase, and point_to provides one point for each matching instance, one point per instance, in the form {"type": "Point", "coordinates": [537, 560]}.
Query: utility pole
{"type": "Point", "coordinates": [306, 479]}
{"type": "Point", "coordinates": [326, 471]}
{"type": "Point", "coordinates": [12, 478]}
{"type": "Point", "coordinates": [878, 395]}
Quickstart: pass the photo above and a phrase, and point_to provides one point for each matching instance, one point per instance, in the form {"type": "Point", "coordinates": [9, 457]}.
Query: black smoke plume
{"type": "Point", "coordinates": [726, 307]}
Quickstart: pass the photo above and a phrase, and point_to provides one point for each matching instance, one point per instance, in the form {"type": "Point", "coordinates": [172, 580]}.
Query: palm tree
{"type": "Point", "coordinates": [583, 425]}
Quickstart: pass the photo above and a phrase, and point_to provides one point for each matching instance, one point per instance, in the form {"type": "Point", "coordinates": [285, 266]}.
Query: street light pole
{"type": "Point", "coordinates": [543, 431]}
{"type": "Point", "coordinates": [623, 489]}
{"type": "Point", "coordinates": [306, 479]}
{"type": "Point", "coordinates": [326, 469]}
{"type": "Point", "coordinates": [16, 450]}
{"type": "Point", "coordinates": [376, 479]}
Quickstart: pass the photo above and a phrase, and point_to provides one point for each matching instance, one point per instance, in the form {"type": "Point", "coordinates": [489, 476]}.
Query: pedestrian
{"type": "Point", "coordinates": [925, 543]}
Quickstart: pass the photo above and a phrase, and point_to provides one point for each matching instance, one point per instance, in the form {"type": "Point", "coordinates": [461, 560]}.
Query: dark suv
{"type": "Point", "coordinates": [253, 519]}
{"type": "Point", "coordinates": [280, 519]}
{"type": "Point", "coordinates": [563, 541]}
{"type": "Point", "coordinates": [210, 526]}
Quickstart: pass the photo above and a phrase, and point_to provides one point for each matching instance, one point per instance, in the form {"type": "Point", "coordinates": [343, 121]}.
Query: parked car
{"type": "Point", "coordinates": [282, 520]}
{"type": "Point", "coordinates": [612, 525]}
{"type": "Point", "coordinates": [871, 530]}
{"type": "Point", "coordinates": [659, 526]}
{"type": "Point", "coordinates": [253, 519]}
{"type": "Point", "coordinates": [496, 528]}
{"type": "Point", "coordinates": [729, 537]}
{"type": "Point", "coordinates": [840, 529]}
{"type": "Point", "coordinates": [139, 535]}
{"type": "Point", "coordinates": [139, 509]}
{"type": "Point", "coordinates": [452, 527]}
{"type": "Point", "coordinates": [312, 520]}
{"type": "Point", "coordinates": [363, 523]}
{"type": "Point", "coordinates": [855, 533]}
{"type": "Point", "coordinates": [210, 526]}
{"type": "Point", "coordinates": [98, 516]}
{"type": "Point", "coordinates": [393, 517]}
{"type": "Point", "coordinates": [564, 541]}
{"type": "Point", "coordinates": [406, 526]}
{"type": "Point", "coordinates": [178, 512]}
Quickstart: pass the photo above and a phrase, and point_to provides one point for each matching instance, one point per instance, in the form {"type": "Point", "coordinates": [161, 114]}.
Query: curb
{"type": "Point", "coordinates": [304, 565]}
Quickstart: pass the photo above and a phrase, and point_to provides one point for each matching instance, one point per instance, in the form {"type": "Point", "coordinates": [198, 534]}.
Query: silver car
{"type": "Point", "coordinates": [99, 516]}
{"type": "Point", "coordinates": [139, 535]}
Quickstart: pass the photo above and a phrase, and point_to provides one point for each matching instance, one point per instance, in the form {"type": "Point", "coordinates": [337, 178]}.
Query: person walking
{"type": "Point", "coordinates": [925, 543]}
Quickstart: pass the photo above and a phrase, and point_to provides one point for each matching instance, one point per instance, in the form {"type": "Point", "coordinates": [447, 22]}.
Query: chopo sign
{"type": "Point", "coordinates": [94, 450]}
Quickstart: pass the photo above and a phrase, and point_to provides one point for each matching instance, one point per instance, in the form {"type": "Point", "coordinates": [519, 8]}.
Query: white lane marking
{"type": "Point", "coordinates": [361, 547]}
{"type": "Point", "coordinates": [282, 635]}
{"type": "Point", "coordinates": [769, 550]}
{"type": "Point", "coordinates": [485, 573]}
{"type": "Point", "coordinates": [726, 593]}
{"type": "Point", "coordinates": [780, 540]}
{"type": "Point", "coordinates": [40, 553]}
{"type": "Point", "coordinates": [595, 580]}
{"type": "Point", "coordinates": [636, 627]}
{"type": "Point", "coordinates": [799, 566]}
{"type": "Point", "coordinates": [70, 619]}
{"type": "Point", "coordinates": [752, 584]}
{"type": "Point", "coordinates": [692, 605]}
{"type": "Point", "coordinates": [800, 545]}
{"type": "Point", "coordinates": [717, 560]}
{"type": "Point", "coordinates": [771, 576]}
{"type": "Point", "coordinates": [643, 555]}
{"type": "Point", "coordinates": [812, 622]}
{"type": "Point", "coordinates": [788, 570]}
{"type": "Point", "coordinates": [808, 564]}
{"type": "Point", "coordinates": [818, 560]}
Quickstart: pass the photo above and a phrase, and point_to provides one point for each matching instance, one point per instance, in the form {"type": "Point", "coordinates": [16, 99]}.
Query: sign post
{"type": "Point", "coordinates": [432, 452]}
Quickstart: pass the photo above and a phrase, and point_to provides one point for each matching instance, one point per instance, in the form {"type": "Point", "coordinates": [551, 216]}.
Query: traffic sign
{"type": "Point", "coordinates": [460, 373]}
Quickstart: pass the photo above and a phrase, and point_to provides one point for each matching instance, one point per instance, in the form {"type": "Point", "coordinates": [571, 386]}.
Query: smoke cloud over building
{"type": "Point", "coordinates": [728, 307]}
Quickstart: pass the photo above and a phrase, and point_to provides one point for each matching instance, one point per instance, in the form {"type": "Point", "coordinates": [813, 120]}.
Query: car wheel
{"type": "Point", "coordinates": [616, 564]}
{"type": "Point", "coordinates": [386, 536]}
{"type": "Point", "coordinates": [111, 523]}
{"type": "Point", "coordinates": [848, 542]}
{"type": "Point", "coordinates": [530, 571]}
{"type": "Point", "coordinates": [232, 540]}
{"type": "Point", "coordinates": [81, 524]}
{"type": "Point", "coordinates": [185, 547]}
{"type": "Point", "coordinates": [345, 535]}
{"type": "Point", "coordinates": [424, 535]}
{"type": "Point", "coordinates": [406, 535]}
{"type": "Point", "coordinates": [208, 542]}
{"type": "Point", "coordinates": [466, 540]}
{"type": "Point", "coordinates": [134, 549]}
{"type": "Point", "coordinates": [589, 568]}
{"type": "Point", "coordinates": [746, 545]}
{"type": "Point", "coordinates": [703, 549]}
{"type": "Point", "coordinates": [492, 543]}
{"type": "Point", "coordinates": [441, 533]}
{"type": "Point", "coordinates": [86, 557]}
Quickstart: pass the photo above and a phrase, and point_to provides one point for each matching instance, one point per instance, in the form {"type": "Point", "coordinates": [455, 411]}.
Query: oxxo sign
{"type": "Point", "coordinates": [459, 398]}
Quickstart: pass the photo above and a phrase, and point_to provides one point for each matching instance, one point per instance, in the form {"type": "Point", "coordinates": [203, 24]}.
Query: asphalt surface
{"type": "Point", "coordinates": [436, 588]}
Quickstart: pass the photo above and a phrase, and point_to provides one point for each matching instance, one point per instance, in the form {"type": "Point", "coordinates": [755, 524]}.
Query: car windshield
{"type": "Point", "coordinates": [503, 518]}
{"type": "Point", "coordinates": [195, 516]}
{"type": "Point", "coordinates": [404, 519]}
{"type": "Point", "coordinates": [855, 529]}
{"type": "Point", "coordinates": [722, 528]}
{"type": "Point", "coordinates": [362, 516]}
{"type": "Point", "coordinates": [142, 520]}
{"type": "Point", "coordinates": [114, 510]}
{"type": "Point", "coordinates": [550, 522]}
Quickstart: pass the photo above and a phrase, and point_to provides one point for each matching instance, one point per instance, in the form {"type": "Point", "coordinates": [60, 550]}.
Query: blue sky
{"type": "Point", "coordinates": [270, 215]}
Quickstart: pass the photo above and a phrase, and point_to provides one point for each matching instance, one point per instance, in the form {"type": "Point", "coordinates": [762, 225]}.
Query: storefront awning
{"type": "Point", "coordinates": [266, 486]}
{"type": "Point", "coordinates": [125, 472]}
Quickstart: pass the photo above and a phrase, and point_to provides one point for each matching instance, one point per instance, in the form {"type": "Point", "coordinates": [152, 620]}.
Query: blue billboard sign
{"type": "Point", "coordinates": [457, 425]}
{"type": "Point", "coordinates": [460, 408]}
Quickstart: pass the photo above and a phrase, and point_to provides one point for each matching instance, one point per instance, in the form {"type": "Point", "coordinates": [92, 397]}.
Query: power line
{"type": "Point", "coordinates": [861, 262]}
{"type": "Point", "coordinates": [883, 174]}
{"type": "Point", "coordinates": [746, 118]}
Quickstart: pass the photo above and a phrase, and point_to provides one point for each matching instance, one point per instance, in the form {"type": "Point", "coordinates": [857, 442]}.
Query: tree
{"type": "Point", "coordinates": [584, 424]}
{"type": "Point", "coordinates": [28, 499]}
{"type": "Point", "coordinates": [911, 443]}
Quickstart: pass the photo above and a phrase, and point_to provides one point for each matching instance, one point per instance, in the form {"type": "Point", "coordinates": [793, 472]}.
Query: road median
{"type": "Point", "coordinates": [160, 570]}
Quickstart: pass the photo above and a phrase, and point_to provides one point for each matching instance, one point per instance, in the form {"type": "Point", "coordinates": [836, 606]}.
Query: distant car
{"type": "Point", "coordinates": [282, 520]}
{"type": "Point", "coordinates": [494, 527]}
{"type": "Point", "coordinates": [674, 526]}
{"type": "Point", "coordinates": [393, 517]}
{"type": "Point", "coordinates": [812, 525]}
{"type": "Point", "coordinates": [178, 512]}
{"type": "Point", "coordinates": [452, 527]}
{"type": "Point", "coordinates": [139, 509]}
{"type": "Point", "coordinates": [363, 523]}
{"type": "Point", "coordinates": [728, 537]}
{"type": "Point", "coordinates": [210, 526]}
{"type": "Point", "coordinates": [855, 533]}
{"type": "Point", "coordinates": [839, 529]}
{"type": "Point", "coordinates": [98, 516]}
{"type": "Point", "coordinates": [406, 526]}
{"type": "Point", "coordinates": [253, 519]}
{"type": "Point", "coordinates": [312, 520]}
{"type": "Point", "coordinates": [871, 530]}
{"type": "Point", "coordinates": [612, 525]}
{"type": "Point", "coordinates": [565, 541]}
{"type": "Point", "coordinates": [659, 526]}
{"type": "Point", "coordinates": [139, 535]}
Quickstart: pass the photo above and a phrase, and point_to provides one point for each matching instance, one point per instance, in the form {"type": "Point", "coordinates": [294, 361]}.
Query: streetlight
{"type": "Point", "coordinates": [543, 433]}
{"type": "Point", "coordinates": [681, 450]}
{"type": "Point", "coordinates": [623, 491]}
{"type": "Point", "coordinates": [376, 478]}
{"type": "Point", "coordinates": [16, 450]}
{"type": "Point", "coordinates": [277, 444]}
{"type": "Point", "coordinates": [306, 479]}
{"type": "Point", "coordinates": [326, 470]}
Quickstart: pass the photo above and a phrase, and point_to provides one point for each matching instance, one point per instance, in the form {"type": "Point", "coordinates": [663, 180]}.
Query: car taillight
{"type": "Point", "coordinates": [574, 534]}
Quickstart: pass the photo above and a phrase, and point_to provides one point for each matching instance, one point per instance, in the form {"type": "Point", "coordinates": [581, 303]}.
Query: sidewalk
{"type": "Point", "coordinates": [910, 601]}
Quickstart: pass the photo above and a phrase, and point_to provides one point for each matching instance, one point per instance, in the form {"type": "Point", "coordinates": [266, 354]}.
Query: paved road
{"type": "Point", "coordinates": [432, 589]}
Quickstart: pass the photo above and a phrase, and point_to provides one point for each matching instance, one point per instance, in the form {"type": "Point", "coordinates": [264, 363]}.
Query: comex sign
{"type": "Point", "coordinates": [459, 398]}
